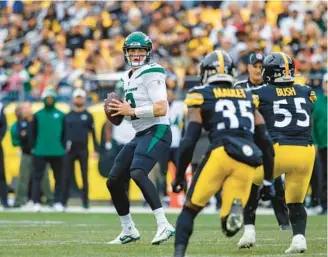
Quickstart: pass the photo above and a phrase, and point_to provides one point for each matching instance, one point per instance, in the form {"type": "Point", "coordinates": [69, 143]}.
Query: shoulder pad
{"type": "Point", "coordinates": [156, 68]}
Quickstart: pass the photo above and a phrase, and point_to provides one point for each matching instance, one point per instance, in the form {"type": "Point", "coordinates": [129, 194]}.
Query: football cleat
{"type": "Point", "coordinates": [58, 207]}
{"type": "Point", "coordinates": [37, 207]}
{"type": "Point", "coordinates": [285, 227]}
{"type": "Point", "coordinates": [298, 245]}
{"type": "Point", "coordinates": [235, 219]}
{"type": "Point", "coordinates": [132, 235]}
{"type": "Point", "coordinates": [163, 234]}
{"type": "Point", "coordinates": [247, 240]}
{"type": "Point", "coordinates": [314, 210]}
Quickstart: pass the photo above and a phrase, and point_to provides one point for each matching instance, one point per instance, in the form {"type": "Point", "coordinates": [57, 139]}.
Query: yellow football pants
{"type": "Point", "coordinates": [296, 162]}
{"type": "Point", "coordinates": [220, 170]}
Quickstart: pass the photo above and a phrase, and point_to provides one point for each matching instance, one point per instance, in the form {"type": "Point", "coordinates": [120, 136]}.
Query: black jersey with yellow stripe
{"type": "Point", "coordinates": [287, 112]}
{"type": "Point", "coordinates": [225, 111]}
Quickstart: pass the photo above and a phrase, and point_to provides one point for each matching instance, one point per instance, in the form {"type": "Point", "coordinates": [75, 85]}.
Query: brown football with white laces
{"type": "Point", "coordinates": [115, 120]}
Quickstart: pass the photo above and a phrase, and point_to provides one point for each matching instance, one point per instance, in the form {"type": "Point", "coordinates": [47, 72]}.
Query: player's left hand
{"type": "Point", "coordinates": [121, 108]}
{"type": "Point", "coordinates": [178, 185]}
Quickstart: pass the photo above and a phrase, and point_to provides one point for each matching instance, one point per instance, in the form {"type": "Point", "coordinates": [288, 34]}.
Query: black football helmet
{"type": "Point", "coordinates": [278, 69]}
{"type": "Point", "coordinates": [217, 66]}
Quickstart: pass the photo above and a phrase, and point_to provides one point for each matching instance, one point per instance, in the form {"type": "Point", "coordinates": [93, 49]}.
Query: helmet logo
{"type": "Point", "coordinates": [135, 44]}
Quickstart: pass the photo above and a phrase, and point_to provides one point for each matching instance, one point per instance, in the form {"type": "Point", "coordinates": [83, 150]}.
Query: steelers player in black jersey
{"type": "Point", "coordinates": [230, 117]}
{"type": "Point", "coordinates": [264, 190]}
{"type": "Point", "coordinates": [287, 110]}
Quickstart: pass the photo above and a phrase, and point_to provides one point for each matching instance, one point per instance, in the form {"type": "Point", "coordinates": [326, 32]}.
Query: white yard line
{"type": "Point", "coordinates": [31, 222]}
{"type": "Point", "coordinates": [137, 210]}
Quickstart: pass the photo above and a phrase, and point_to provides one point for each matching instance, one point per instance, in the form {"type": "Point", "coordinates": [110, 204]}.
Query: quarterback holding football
{"type": "Point", "coordinates": [146, 104]}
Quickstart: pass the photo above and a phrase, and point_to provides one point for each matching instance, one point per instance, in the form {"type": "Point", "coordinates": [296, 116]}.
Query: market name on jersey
{"type": "Point", "coordinates": [288, 91]}
{"type": "Point", "coordinates": [229, 92]}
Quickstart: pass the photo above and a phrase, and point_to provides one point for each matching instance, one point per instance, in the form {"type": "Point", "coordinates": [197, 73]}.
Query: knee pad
{"type": "Point", "coordinates": [137, 174]}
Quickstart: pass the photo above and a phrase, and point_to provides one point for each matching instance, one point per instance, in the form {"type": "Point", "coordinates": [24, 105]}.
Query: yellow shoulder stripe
{"type": "Point", "coordinates": [194, 99]}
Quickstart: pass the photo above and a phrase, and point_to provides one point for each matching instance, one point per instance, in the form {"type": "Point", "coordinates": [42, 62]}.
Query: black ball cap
{"type": "Point", "coordinates": [254, 58]}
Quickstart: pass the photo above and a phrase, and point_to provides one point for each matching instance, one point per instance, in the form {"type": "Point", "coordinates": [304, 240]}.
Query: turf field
{"type": "Point", "coordinates": [68, 234]}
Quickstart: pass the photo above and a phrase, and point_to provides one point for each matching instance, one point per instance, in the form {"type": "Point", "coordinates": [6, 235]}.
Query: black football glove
{"type": "Point", "coordinates": [178, 185]}
{"type": "Point", "coordinates": [268, 191]}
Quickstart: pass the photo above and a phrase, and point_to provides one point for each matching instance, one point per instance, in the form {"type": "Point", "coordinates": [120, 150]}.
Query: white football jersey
{"type": "Point", "coordinates": [145, 87]}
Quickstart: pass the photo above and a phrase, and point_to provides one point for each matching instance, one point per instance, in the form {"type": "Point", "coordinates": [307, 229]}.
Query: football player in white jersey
{"type": "Point", "coordinates": [146, 104]}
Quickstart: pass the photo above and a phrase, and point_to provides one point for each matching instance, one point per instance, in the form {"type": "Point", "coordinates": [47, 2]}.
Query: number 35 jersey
{"type": "Point", "coordinates": [145, 87]}
{"type": "Point", "coordinates": [287, 111]}
{"type": "Point", "coordinates": [225, 111]}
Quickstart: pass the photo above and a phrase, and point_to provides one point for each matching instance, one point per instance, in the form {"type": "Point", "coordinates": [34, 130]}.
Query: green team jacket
{"type": "Point", "coordinates": [319, 116]}
{"type": "Point", "coordinates": [48, 132]}
{"type": "Point", "coordinates": [14, 135]}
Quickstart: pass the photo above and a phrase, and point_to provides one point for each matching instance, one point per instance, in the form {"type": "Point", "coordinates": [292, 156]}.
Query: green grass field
{"type": "Point", "coordinates": [53, 235]}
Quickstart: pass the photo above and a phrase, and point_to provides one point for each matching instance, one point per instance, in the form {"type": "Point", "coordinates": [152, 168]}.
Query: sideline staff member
{"type": "Point", "coordinates": [78, 123]}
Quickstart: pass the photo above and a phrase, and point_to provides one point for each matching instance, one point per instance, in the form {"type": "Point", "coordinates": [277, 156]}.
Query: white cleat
{"type": "Point", "coordinates": [126, 237]}
{"type": "Point", "coordinates": [248, 239]}
{"type": "Point", "coordinates": [314, 210]}
{"type": "Point", "coordinates": [298, 245]}
{"type": "Point", "coordinates": [58, 207]}
{"type": "Point", "coordinates": [37, 207]}
{"type": "Point", "coordinates": [163, 234]}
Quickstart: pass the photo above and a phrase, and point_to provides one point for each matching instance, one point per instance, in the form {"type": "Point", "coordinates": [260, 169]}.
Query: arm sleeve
{"type": "Point", "coordinates": [91, 127]}
{"type": "Point", "coordinates": [264, 142]}
{"type": "Point", "coordinates": [157, 90]}
{"type": "Point", "coordinates": [187, 146]}
{"type": "Point", "coordinates": [14, 135]}
{"type": "Point", "coordinates": [3, 123]}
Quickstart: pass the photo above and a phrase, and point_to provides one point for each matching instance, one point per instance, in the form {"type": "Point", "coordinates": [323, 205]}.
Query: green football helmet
{"type": "Point", "coordinates": [137, 40]}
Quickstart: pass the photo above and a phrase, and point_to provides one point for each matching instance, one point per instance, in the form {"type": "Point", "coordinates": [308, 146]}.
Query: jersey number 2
{"type": "Point", "coordinates": [129, 98]}
{"type": "Point", "coordinates": [277, 109]}
{"type": "Point", "coordinates": [228, 110]}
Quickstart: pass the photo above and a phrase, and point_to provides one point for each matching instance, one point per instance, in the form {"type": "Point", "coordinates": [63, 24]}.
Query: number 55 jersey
{"type": "Point", "coordinates": [287, 112]}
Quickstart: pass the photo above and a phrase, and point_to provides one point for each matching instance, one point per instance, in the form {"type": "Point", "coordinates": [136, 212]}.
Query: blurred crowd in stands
{"type": "Point", "coordinates": [69, 44]}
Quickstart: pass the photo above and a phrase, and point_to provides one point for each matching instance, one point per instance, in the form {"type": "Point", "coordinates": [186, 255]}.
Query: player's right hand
{"type": "Point", "coordinates": [178, 185]}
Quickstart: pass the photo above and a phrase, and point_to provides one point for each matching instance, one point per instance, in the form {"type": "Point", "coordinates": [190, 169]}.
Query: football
{"type": "Point", "coordinates": [115, 120]}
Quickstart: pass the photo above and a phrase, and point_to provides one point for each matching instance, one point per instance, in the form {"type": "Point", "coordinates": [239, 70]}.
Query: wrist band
{"type": "Point", "coordinates": [144, 111]}
{"type": "Point", "coordinates": [267, 183]}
